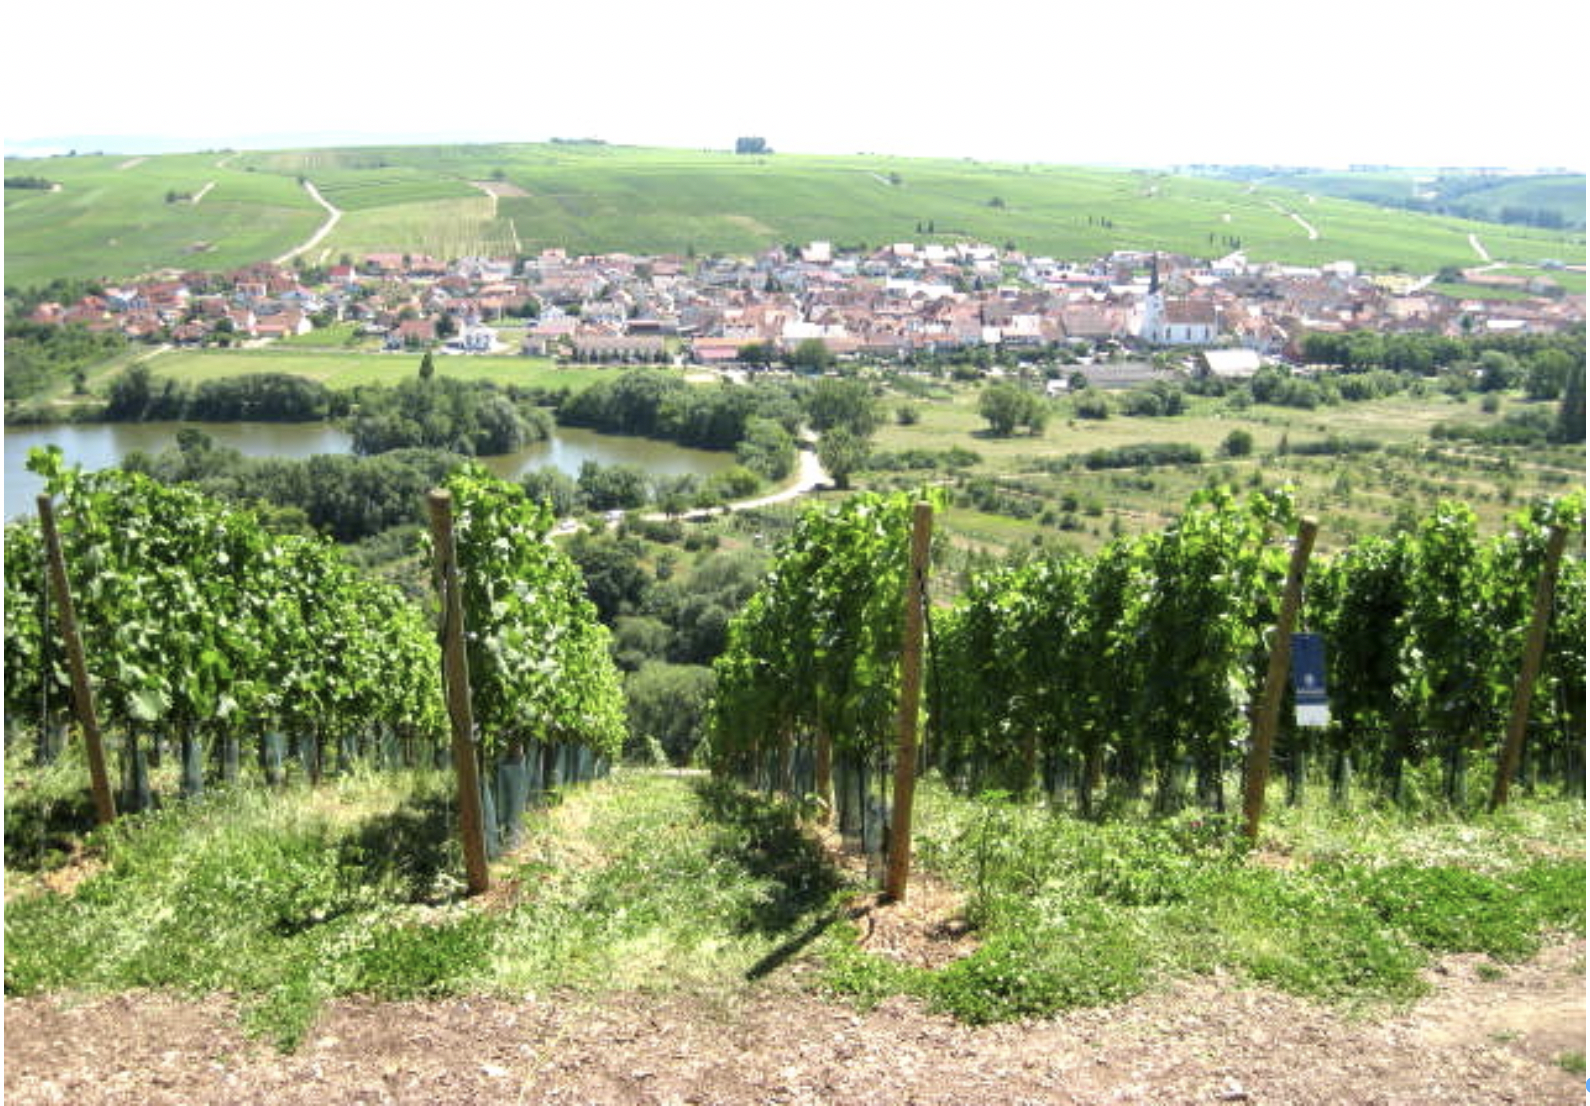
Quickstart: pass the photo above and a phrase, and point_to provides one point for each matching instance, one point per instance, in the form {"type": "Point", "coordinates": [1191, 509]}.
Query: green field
{"type": "Point", "coordinates": [350, 370]}
{"type": "Point", "coordinates": [111, 218]}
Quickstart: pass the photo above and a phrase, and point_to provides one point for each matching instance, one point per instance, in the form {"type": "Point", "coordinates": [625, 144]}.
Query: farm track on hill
{"type": "Point", "coordinates": [1472, 1041]}
{"type": "Point", "coordinates": [333, 216]}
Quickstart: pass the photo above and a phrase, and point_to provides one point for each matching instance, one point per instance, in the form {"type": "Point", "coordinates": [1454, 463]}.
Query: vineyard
{"type": "Point", "coordinates": [1131, 674]}
{"type": "Point", "coordinates": [1086, 723]}
{"type": "Point", "coordinates": [202, 632]}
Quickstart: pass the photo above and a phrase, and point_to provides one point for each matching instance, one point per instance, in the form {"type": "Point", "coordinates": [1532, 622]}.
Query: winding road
{"type": "Point", "coordinates": [332, 215]}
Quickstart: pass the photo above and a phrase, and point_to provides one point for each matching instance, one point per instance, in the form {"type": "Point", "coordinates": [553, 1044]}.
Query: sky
{"type": "Point", "coordinates": [1106, 82]}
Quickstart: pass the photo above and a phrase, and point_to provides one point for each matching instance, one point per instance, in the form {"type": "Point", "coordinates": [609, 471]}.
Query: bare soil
{"type": "Point", "coordinates": [1478, 1038]}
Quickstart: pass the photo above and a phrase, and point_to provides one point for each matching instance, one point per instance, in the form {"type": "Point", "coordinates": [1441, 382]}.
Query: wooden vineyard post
{"type": "Point", "coordinates": [82, 692]}
{"type": "Point", "coordinates": [899, 868]}
{"type": "Point", "coordinates": [1534, 647]}
{"type": "Point", "coordinates": [455, 675]}
{"type": "Point", "coordinates": [1269, 712]}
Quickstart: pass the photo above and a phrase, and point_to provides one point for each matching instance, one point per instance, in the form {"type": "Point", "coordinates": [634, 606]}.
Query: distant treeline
{"type": "Point", "coordinates": [41, 354]}
{"type": "Point", "coordinates": [758, 420]}
{"type": "Point", "coordinates": [351, 498]}
{"type": "Point", "coordinates": [1426, 353]}
{"type": "Point", "coordinates": [343, 497]}
{"type": "Point", "coordinates": [471, 418]}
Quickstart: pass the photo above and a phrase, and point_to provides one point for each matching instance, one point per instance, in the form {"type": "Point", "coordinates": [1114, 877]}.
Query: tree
{"type": "Point", "coordinates": [1007, 406]}
{"type": "Point", "coordinates": [1498, 371]}
{"type": "Point", "coordinates": [812, 355]}
{"type": "Point", "coordinates": [1238, 443]}
{"type": "Point", "coordinates": [1571, 415]}
{"type": "Point", "coordinates": [842, 452]}
{"type": "Point", "coordinates": [758, 353]}
{"type": "Point", "coordinates": [842, 403]}
{"type": "Point", "coordinates": [767, 449]}
{"type": "Point", "coordinates": [427, 366]}
{"type": "Point", "coordinates": [668, 703]}
{"type": "Point", "coordinates": [1547, 373]}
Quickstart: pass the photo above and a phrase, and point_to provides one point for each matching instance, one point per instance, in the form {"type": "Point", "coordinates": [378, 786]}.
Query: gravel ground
{"type": "Point", "coordinates": [1473, 1040]}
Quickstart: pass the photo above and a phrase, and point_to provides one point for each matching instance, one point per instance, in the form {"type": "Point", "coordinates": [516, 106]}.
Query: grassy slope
{"type": "Point", "coordinates": [110, 217]}
{"type": "Point", "coordinates": [602, 198]}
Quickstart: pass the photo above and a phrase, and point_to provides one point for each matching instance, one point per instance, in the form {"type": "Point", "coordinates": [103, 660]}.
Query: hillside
{"type": "Point", "coordinates": [115, 217]}
{"type": "Point", "coordinates": [1548, 200]}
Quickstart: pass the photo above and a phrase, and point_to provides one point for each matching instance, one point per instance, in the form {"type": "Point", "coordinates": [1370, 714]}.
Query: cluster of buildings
{"type": "Point", "coordinates": [896, 301]}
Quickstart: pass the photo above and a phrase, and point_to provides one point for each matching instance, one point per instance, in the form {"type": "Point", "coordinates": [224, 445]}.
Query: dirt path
{"type": "Point", "coordinates": [332, 216]}
{"type": "Point", "coordinates": [1313, 235]}
{"type": "Point", "coordinates": [1476, 1040]}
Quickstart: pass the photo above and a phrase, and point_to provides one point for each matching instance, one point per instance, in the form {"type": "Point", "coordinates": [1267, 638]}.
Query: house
{"type": "Point", "coordinates": [473, 339]}
{"type": "Point", "coordinates": [716, 351]}
{"type": "Point", "coordinates": [604, 348]}
{"type": "Point", "coordinates": [412, 332]}
{"type": "Point", "coordinates": [1094, 322]}
{"type": "Point", "coordinates": [283, 324]}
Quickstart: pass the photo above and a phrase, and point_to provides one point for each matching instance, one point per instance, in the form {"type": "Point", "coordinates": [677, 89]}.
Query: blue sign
{"type": "Point", "coordinates": [1308, 680]}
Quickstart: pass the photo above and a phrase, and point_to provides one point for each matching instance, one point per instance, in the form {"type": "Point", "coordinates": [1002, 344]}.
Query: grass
{"type": "Point", "coordinates": [339, 369]}
{"type": "Point", "coordinates": [651, 882]}
{"type": "Point", "coordinates": [1350, 494]}
{"type": "Point", "coordinates": [291, 898]}
{"type": "Point", "coordinates": [1344, 906]}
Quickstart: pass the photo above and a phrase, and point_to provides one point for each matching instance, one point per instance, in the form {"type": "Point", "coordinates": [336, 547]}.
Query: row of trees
{"type": "Point", "coordinates": [1142, 662]}
{"type": "Point", "coordinates": [814, 655]}
{"type": "Point", "coordinates": [650, 403]}
{"type": "Point", "coordinates": [344, 497]}
{"type": "Point", "coordinates": [473, 418]}
{"type": "Point", "coordinates": [138, 395]}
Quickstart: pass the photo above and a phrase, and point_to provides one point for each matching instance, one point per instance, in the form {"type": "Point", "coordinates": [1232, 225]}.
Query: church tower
{"type": "Point", "coordinates": [1152, 327]}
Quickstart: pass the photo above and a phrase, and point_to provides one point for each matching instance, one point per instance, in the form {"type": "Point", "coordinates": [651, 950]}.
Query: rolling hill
{"type": "Point", "coordinates": [117, 217]}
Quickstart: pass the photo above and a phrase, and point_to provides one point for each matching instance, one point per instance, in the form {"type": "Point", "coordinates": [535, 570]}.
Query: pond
{"type": "Point", "coordinates": [102, 445]}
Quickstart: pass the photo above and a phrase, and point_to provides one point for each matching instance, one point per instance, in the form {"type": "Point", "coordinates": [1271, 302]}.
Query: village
{"type": "Point", "coordinates": [888, 304]}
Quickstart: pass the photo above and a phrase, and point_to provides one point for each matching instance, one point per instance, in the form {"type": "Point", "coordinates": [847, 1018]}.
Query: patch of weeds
{"type": "Point", "coordinates": [1294, 932]}
{"type": "Point", "coordinates": [1037, 970]}
{"type": "Point", "coordinates": [861, 977]}
{"type": "Point", "coordinates": [284, 1012]}
{"type": "Point", "coordinates": [48, 810]}
{"type": "Point", "coordinates": [1073, 913]}
{"type": "Point", "coordinates": [418, 960]}
{"type": "Point", "coordinates": [1488, 972]}
{"type": "Point", "coordinates": [1571, 1062]}
{"type": "Point", "coordinates": [1449, 909]}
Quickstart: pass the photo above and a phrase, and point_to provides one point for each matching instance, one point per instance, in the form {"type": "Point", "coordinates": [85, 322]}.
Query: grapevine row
{"type": "Point", "coordinates": [1132, 673]}
{"type": "Point", "coordinates": [204, 629]}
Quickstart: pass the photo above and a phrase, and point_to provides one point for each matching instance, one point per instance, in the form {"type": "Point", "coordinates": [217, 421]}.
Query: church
{"type": "Point", "coordinates": [1178, 322]}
